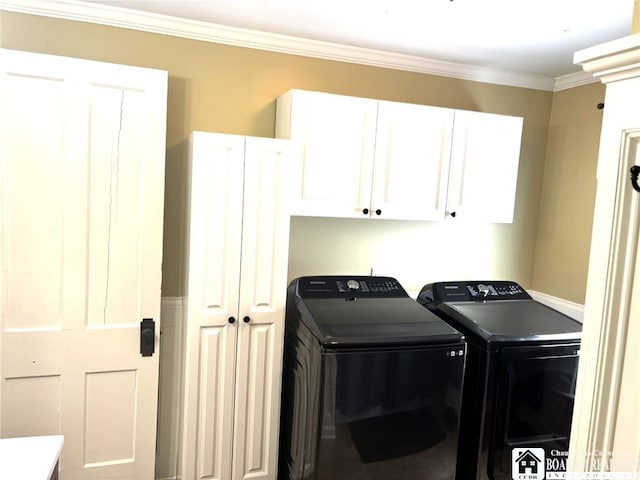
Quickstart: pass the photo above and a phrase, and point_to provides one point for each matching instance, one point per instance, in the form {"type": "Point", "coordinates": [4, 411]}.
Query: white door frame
{"type": "Point", "coordinates": [606, 420]}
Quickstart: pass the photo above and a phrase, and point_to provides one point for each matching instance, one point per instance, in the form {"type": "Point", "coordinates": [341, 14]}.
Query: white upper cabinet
{"type": "Point", "coordinates": [411, 161]}
{"type": "Point", "coordinates": [484, 167]}
{"type": "Point", "coordinates": [337, 135]}
{"type": "Point", "coordinates": [369, 158]}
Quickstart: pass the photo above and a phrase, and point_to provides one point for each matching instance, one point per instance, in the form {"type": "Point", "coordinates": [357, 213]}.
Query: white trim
{"type": "Point", "coordinates": [602, 419]}
{"type": "Point", "coordinates": [571, 309]}
{"type": "Point", "coordinates": [172, 308]}
{"type": "Point", "coordinates": [612, 61]}
{"type": "Point", "coordinates": [171, 313]}
{"type": "Point", "coordinates": [184, 28]}
{"type": "Point", "coordinates": [573, 80]}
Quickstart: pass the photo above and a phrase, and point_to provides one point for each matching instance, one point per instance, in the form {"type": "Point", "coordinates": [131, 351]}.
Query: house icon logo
{"type": "Point", "coordinates": [527, 464]}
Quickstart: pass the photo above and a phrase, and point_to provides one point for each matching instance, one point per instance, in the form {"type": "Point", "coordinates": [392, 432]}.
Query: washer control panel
{"type": "Point", "coordinates": [503, 290]}
{"type": "Point", "coordinates": [349, 286]}
{"type": "Point", "coordinates": [472, 291]}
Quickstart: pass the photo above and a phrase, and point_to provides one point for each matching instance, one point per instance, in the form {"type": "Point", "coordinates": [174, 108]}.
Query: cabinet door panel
{"type": "Point", "coordinates": [214, 237]}
{"type": "Point", "coordinates": [265, 227]}
{"type": "Point", "coordinates": [484, 166]}
{"type": "Point", "coordinates": [337, 135]}
{"type": "Point", "coordinates": [215, 403]}
{"type": "Point", "coordinates": [262, 295]}
{"type": "Point", "coordinates": [413, 147]}
{"type": "Point", "coordinates": [214, 233]}
{"type": "Point", "coordinates": [257, 403]}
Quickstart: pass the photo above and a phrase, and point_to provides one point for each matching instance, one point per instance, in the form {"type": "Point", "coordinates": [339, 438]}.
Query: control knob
{"type": "Point", "coordinates": [353, 284]}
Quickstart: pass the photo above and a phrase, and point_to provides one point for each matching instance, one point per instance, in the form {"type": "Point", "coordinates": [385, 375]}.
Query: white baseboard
{"type": "Point", "coordinates": [571, 309]}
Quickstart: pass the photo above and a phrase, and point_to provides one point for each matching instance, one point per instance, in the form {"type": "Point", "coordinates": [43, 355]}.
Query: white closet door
{"type": "Point", "coordinates": [81, 205]}
{"type": "Point", "coordinates": [265, 248]}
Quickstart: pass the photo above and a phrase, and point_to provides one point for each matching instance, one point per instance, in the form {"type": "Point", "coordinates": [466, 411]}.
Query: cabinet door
{"type": "Point", "coordinates": [484, 166]}
{"type": "Point", "coordinates": [81, 206]}
{"type": "Point", "coordinates": [413, 147]}
{"type": "Point", "coordinates": [265, 249]}
{"type": "Point", "coordinates": [337, 137]}
{"type": "Point", "coordinates": [214, 225]}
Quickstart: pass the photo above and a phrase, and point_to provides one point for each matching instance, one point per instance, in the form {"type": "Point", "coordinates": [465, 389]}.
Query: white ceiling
{"type": "Point", "coordinates": [527, 36]}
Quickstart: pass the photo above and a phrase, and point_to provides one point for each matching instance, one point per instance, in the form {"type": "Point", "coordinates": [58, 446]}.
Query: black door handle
{"type": "Point", "coordinates": [635, 171]}
{"type": "Point", "coordinates": [147, 337]}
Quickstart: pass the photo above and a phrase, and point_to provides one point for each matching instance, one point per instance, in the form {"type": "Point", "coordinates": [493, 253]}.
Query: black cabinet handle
{"type": "Point", "coordinates": [246, 319]}
{"type": "Point", "coordinates": [365, 211]}
{"type": "Point", "coordinates": [378, 212]}
{"type": "Point", "coordinates": [232, 320]}
{"type": "Point", "coordinates": [453, 214]}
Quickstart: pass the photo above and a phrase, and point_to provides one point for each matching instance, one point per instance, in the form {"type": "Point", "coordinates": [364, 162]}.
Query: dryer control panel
{"type": "Point", "coordinates": [338, 286]}
{"type": "Point", "coordinates": [471, 291]}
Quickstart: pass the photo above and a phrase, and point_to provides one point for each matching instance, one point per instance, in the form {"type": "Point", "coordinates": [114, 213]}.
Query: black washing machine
{"type": "Point", "coordinates": [520, 377]}
{"type": "Point", "coordinates": [371, 384]}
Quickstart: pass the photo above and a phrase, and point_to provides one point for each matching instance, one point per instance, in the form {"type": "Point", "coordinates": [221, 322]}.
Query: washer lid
{"type": "Point", "coordinates": [373, 321]}
{"type": "Point", "coordinates": [511, 320]}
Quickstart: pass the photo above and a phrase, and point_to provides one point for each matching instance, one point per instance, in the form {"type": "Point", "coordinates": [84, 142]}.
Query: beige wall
{"type": "Point", "coordinates": [230, 89]}
{"type": "Point", "coordinates": [568, 193]}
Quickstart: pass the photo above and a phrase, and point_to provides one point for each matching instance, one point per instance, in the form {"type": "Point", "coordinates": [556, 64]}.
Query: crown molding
{"type": "Point", "coordinates": [197, 30]}
{"type": "Point", "coordinates": [573, 80]}
{"type": "Point", "coordinates": [612, 61]}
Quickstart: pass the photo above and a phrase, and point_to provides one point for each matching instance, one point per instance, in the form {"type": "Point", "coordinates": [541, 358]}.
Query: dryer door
{"type": "Point", "coordinates": [533, 408]}
{"type": "Point", "coordinates": [390, 413]}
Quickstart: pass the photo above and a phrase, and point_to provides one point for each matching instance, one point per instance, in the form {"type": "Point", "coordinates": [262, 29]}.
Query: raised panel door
{"type": "Point", "coordinates": [413, 148]}
{"type": "Point", "coordinates": [484, 166]}
{"type": "Point", "coordinates": [265, 248]}
{"type": "Point", "coordinates": [337, 137]}
{"type": "Point", "coordinates": [214, 225]}
{"type": "Point", "coordinates": [82, 172]}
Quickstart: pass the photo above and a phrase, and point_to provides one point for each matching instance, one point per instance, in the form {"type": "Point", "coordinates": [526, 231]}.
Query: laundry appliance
{"type": "Point", "coordinates": [372, 383]}
{"type": "Point", "coordinates": [520, 378]}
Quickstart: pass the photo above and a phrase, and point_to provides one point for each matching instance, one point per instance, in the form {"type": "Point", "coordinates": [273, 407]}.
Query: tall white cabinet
{"type": "Point", "coordinates": [237, 249]}
{"type": "Point", "coordinates": [367, 158]}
